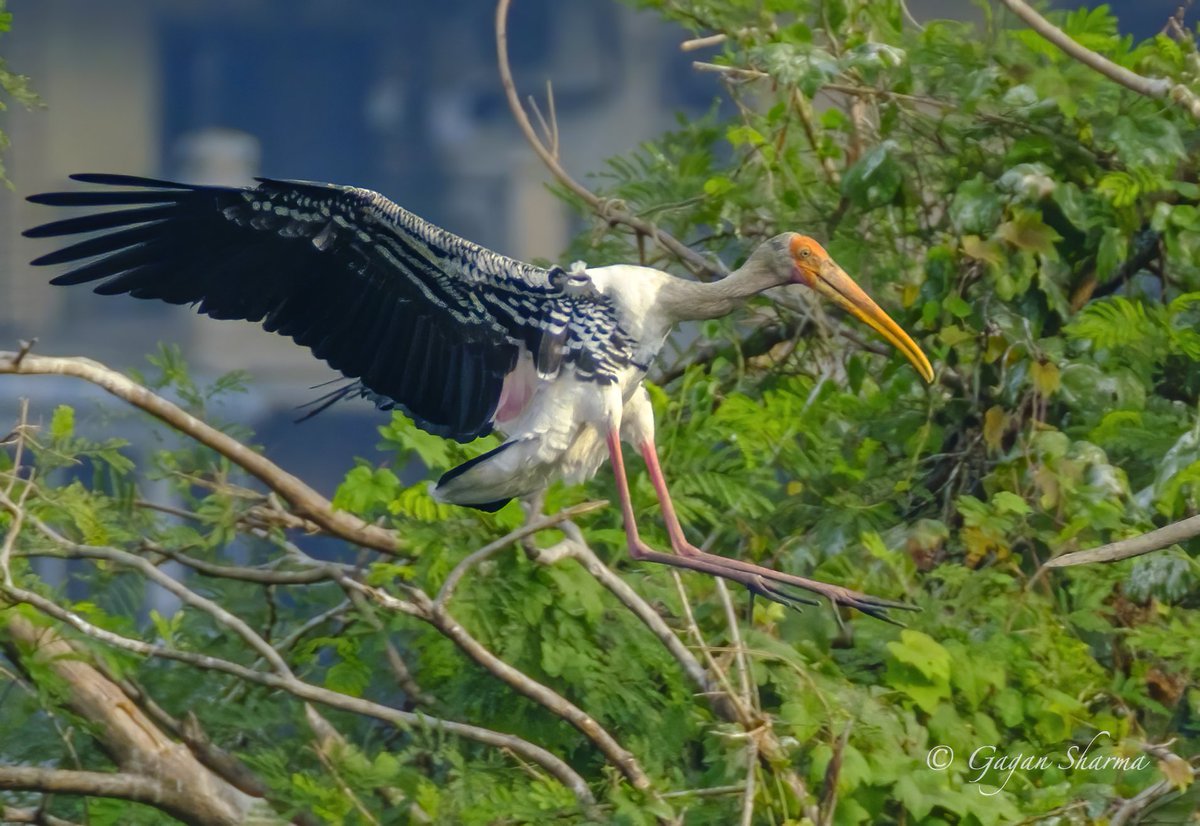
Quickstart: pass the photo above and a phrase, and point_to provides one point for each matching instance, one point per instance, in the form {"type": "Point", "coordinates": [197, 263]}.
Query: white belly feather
{"type": "Point", "coordinates": [562, 434]}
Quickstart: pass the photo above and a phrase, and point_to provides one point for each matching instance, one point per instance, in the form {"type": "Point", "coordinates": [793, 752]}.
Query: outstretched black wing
{"type": "Point", "coordinates": [422, 318]}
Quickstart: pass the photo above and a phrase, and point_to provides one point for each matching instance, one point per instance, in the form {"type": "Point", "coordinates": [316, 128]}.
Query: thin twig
{"type": "Point", "coordinates": [582, 553]}
{"type": "Point", "coordinates": [328, 740]}
{"type": "Point", "coordinates": [68, 549]}
{"type": "Point", "coordinates": [434, 612]}
{"type": "Point", "coordinates": [10, 537]}
{"type": "Point", "coordinates": [19, 434]}
{"type": "Point", "coordinates": [532, 527]}
{"type": "Point", "coordinates": [405, 679]}
{"type": "Point", "coordinates": [702, 42]}
{"type": "Point", "coordinates": [23, 349]}
{"type": "Point", "coordinates": [748, 791]}
{"type": "Point", "coordinates": [322, 572]}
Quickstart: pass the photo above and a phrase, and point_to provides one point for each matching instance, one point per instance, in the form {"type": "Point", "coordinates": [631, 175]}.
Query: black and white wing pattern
{"type": "Point", "coordinates": [423, 319]}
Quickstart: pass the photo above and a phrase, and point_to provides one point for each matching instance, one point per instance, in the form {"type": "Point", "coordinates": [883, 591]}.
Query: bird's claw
{"type": "Point", "coordinates": [776, 593]}
{"type": "Point", "coordinates": [872, 606]}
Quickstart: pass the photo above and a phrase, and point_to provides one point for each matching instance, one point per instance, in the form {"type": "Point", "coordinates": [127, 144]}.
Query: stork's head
{"type": "Point", "coordinates": [813, 267]}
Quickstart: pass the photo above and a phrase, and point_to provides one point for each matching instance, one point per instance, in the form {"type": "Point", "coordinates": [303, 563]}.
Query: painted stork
{"type": "Point", "coordinates": [461, 339]}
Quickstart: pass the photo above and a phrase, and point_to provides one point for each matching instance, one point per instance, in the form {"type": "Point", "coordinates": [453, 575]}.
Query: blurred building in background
{"type": "Point", "coordinates": [400, 96]}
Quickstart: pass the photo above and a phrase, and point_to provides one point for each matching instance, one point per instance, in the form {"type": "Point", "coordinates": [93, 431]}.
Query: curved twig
{"type": "Point", "coordinates": [699, 264]}
{"type": "Point", "coordinates": [530, 527]}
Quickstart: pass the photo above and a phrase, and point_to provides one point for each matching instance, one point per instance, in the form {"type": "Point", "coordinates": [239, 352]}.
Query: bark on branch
{"type": "Point", "coordinates": [135, 787]}
{"type": "Point", "coordinates": [154, 769]}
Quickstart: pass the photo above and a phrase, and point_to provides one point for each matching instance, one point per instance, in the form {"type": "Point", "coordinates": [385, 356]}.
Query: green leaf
{"type": "Point", "coordinates": [976, 207]}
{"type": "Point", "coordinates": [349, 677]}
{"type": "Point", "coordinates": [875, 179]}
{"type": "Point", "coordinates": [1027, 231]}
{"type": "Point", "coordinates": [62, 423]}
{"type": "Point", "coordinates": [1006, 502]}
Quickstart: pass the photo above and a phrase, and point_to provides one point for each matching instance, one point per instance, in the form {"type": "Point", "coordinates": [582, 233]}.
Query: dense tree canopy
{"type": "Point", "coordinates": [1034, 223]}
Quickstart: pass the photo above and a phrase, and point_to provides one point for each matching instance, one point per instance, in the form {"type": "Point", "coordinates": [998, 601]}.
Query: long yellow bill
{"type": "Point", "coordinates": [833, 283]}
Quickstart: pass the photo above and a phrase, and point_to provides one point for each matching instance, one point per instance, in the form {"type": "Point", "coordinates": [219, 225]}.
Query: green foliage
{"type": "Point", "coordinates": [15, 86]}
{"type": "Point", "coordinates": [1035, 226]}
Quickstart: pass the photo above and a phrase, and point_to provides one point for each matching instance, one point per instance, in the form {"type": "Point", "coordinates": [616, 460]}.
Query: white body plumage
{"type": "Point", "coordinates": [556, 426]}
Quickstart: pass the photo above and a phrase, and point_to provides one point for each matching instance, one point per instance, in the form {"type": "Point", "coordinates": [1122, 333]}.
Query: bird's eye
{"type": "Point", "coordinates": [805, 252]}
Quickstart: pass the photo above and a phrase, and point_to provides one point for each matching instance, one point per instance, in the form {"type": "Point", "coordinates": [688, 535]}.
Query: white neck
{"type": "Point", "coordinates": [682, 300]}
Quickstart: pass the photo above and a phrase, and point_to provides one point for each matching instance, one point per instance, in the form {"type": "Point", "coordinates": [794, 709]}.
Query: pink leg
{"type": "Point", "coordinates": [773, 585]}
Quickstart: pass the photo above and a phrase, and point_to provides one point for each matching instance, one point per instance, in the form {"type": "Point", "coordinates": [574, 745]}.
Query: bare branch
{"type": "Point", "coordinates": [14, 530]}
{"type": "Point", "coordinates": [18, 436]}
{"type": "Point", "coordinates": [721, 696]}
{"type": "Point", "coordinates": [578, 549]}
{"type": "Point", "coordinates": [1130, 810]}
{"type": "Point", "coordinates": [120, 785]}
{"type": "Point", "coordinates": [307, 502]}
{"type": "Point", "coordinates": [1154, 540]}
{"type": "Point", "coordinates": [733, 71]}
{"type": "Point", "coordinates": [423, 608]}
{"type": "Point", "coordinates": [329, 742]}
{"type": "Point", "coordinates": [69, 549]}
{"type": "Point", "coordinates": [749, 791]}
{"type": "Point", "coordinates": [1159, 88]}
{"type": "Point", "coordinates": [405, 680]}
{"type": "Point", "coordinates": [617, 216]}
{"type": "Point", "coordinates": [316, 573]}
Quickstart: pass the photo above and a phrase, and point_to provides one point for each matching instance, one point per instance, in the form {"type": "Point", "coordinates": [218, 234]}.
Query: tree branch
{"type": "Point", "coordinates": [9, 814]}
{"type": "Point", "coordinates": [306, 691]}
{"type": "Point", "coordinates": [1159, 88]}
{"type": "Point", "coordinates": [163, 773]}
{"type": "Point", "coordinates": [1155, 540]}
{"type": "Point", "coordinates": [135, 787]}
{"type": "Point", "coordinates": [723, 700]}
{"type": "Point", "coordinates": [295, 492]}
{"type": "Point", "coordinates": [425, 609]}
{"type": "Point", "coordinates": [73, 550]}
{"type": "Point", "coordinates": [530, 527]}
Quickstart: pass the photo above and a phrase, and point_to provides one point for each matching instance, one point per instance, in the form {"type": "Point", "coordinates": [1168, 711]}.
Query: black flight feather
{"type": "Point", "coordinates": [419, 318]}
